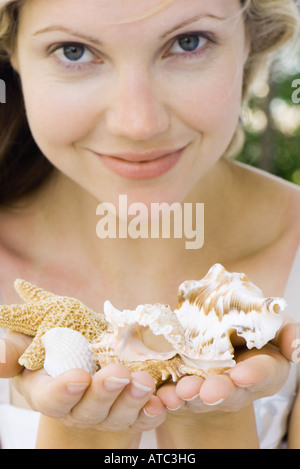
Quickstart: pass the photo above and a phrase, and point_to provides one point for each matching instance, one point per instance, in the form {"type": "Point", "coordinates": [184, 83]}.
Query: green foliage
{"type": "Point", "coordinates": [272, 125]}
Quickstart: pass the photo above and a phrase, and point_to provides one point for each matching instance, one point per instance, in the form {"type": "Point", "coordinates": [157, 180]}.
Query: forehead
{"type": "Point", "coordinates": [97, 13]}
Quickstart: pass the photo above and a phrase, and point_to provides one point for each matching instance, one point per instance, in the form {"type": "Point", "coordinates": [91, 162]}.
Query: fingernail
{"type": "Point", "coordinates": [148, 415]}
{"type": "Point", "coordinates": [139, 390]}
{"type": "Point", "coordinates": [77, 388]}
{"type": "Point", "coordinates": [191, 398]}
{"type": "Point", "coordinates": [214, 403]}
{"type": "Point", "coordinates": [115, 384]}
{"type": "Point", "coordinates": [244, 386]}
{"type": "Point", "coordinates": [177, 408]}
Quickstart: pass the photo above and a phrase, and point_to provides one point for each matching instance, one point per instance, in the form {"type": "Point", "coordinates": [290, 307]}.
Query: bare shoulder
{"type": "Point", "coordinates": [274, 200]}
{"type": "Point", "coordinates": [271, 227]}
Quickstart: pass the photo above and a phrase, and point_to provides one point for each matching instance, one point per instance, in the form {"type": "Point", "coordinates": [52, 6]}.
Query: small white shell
{"type": "Point", "coordinates": [65, 350]}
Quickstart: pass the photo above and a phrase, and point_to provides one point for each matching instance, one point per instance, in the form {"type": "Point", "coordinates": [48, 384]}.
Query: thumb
{"type": "Point", "coordinates": [12, 346]}
{"type": "Point", "coordinates": [288, 341]}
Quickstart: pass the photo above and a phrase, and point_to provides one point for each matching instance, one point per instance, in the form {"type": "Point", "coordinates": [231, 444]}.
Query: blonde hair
{"type": "Point", "coordinates": [269, 25]}
{"type": "Point", "coordinates": [9, 13]}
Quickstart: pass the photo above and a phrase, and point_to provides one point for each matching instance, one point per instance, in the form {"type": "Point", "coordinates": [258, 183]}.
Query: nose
{"type": "Point", "coordinates": [137, 110]}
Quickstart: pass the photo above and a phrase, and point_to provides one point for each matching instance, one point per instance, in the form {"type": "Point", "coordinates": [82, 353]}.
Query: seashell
{"type": "Point", "coordinates": [66, 349]}
{"type": "Point", "coordinates": [140, 339]}
{"type": "Point", "coordinates": [195, 338]}
{"type": "Point", "coordinates": [211, 309]}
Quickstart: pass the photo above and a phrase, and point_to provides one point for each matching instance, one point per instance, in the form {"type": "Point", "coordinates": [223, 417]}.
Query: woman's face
{"type": "Point", "coordinates": [127, 100]}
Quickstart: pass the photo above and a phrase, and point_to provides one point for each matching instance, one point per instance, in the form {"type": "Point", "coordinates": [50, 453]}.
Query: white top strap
{"type": "Point", "coordinates": [292, 295]}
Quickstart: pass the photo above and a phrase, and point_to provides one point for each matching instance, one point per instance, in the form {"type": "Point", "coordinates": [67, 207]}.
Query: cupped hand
{"type": "Point", "coordinates": [257, 374]}
{"type": "Point", "coordinates": [112, 400]}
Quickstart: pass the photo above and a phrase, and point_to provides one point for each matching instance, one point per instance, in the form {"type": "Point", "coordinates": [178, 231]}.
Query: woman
{"type": "Point", "coordinates": [141, 99]}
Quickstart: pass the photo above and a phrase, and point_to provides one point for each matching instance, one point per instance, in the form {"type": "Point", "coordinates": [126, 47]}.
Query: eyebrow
{"type": "Point", "coordinates": [190, 21]}
{"type": "Point", "coordinates": [72, 32]}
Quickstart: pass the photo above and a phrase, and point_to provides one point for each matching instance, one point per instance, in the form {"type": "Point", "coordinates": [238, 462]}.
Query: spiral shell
{"type": "Point", "coordinates": [211, 309]}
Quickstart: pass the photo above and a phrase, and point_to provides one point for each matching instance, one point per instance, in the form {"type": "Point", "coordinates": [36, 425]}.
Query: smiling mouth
{"type": "Point", "coordinates": [141, 166]}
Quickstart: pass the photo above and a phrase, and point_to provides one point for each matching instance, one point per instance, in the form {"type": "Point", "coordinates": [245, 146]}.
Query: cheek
{"type": "Point", "coordinates": [213, 101]}
{"type": "Point", "coordinates": [58, 115]}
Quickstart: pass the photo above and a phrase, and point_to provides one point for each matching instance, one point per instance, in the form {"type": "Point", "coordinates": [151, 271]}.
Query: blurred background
{"type": "Point", "coordinates": [271, 121]}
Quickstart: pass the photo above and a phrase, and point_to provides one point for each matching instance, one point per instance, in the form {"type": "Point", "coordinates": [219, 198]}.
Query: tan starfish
{"type": "Point", "coordinates": [42, 311]}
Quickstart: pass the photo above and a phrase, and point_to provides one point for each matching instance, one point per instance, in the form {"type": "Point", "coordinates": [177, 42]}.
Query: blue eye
{"type": "Point", "coordinates": [74, 52]}
{"type": "Point", "coordinates": [189, 43]}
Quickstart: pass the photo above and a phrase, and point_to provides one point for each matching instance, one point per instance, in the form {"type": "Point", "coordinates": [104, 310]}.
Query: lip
{"type": "Point", "coordinates": [147, 165]}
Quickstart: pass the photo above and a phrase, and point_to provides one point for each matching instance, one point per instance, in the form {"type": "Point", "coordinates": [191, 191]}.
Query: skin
{"type": "Point", "coordinates": [294, 439]}
{"type": "Point", "coordinates": [128, 75]}
{"type": "Point", "coordinates": [133, 96]}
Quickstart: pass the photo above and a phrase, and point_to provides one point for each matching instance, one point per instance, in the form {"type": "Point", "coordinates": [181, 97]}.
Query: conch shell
{"type": "Point", "coordinates": [211, 309]}
{"type": "Point", "coordinates": [195, 338]}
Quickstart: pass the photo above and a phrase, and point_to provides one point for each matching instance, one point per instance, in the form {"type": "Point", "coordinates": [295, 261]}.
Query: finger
{"type": "Point", "coordinates": [53, 397]}
{"type": "Point", "coordinates": [126, 409]}
{"type": "Point", "coordinates": [152, 415]}
{"type": "Point", "coordinates": [217, 389]}
{"type": "Point", "coordinates": [288, 339]}
{"type": "Point", "coordinates": [107, 384]}
{"type": "Point", "coordinates": [12, 346]}
{"type": "Point", "coordinates": [260, 372]}
{"type": "Point", "coordinates": [169, 396]}
{"type": "Point", "coordinates": [188, 388]}
{"type": "Point", "coordinates": [203, 396]}
{"type": "Point", "coordinates": [154, 407]}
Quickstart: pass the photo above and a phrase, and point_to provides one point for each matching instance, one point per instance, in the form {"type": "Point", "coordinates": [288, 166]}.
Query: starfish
{"type": "Point", "coordinates": [43, 311]}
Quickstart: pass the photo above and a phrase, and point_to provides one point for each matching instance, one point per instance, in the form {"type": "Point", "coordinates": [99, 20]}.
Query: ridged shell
{"type": "Point", "coordinates": [66, 349]}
